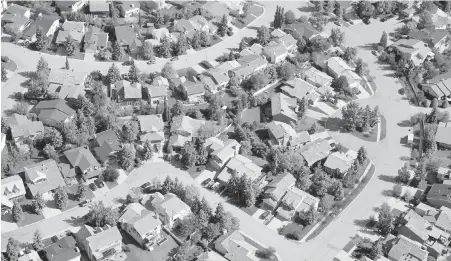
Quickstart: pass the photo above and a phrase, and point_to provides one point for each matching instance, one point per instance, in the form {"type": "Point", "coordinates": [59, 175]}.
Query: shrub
{"type": "Point", "coordinates": [397, 190]}
{"type": "Point", "coordinates": [426, 103]}
{"type": "Point", "coordinates": [110, 174]}
{"type": "Point", "coordinates": [266, 253]}
{"type": "Point", "coordinates": [402, 91]}
{"type": "Point", "coordinates": [295, 235]}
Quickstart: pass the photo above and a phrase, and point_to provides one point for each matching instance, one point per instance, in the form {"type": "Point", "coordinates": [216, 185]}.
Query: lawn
{"type": "Point", "coordinates": [158, 253]}
{"type": "Point", "coordinates": [383, 128]}
{"type": "Point", "coordinates": [29, 216]}
{"type": "Point", "coordinates": [307, 122]}
{"type": "Point", "coordinates": [335, 124]}
{"type": "Point", "coordinates": [10, 65]}
{"type": "Point", "coordinates": [71, 192]}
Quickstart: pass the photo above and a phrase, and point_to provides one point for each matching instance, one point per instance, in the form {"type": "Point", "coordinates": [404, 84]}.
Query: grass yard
{"type": "Point", "coordinates": [29, 217]}
{"type": "Point", "coordinates": [307, 122]}
{"type": "Point", "coordinates": [158, 253]}
{"type": "Point", "coordinates": [10, 65]}
{"type": "Point", "coordinates": [335, 124]}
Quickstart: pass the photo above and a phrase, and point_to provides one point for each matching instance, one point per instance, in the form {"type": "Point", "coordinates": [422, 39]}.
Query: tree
{"type": "Point", "coordinates": [70, 46]}
{"type": "Point", "coordinates": [242, 45]}
{"type": "Point", "coordinates": [403, 174]}
{"type": "Point", "coordinates": [165, 49]}
{"type": "Point", "coordinates": [17, 212]}
{"type": "Point", "coordinates": [397, 190]}
{"type": "Point", "coordinates": [279, 18]}
{"type": "Point", "coordinates": [12, 249]}
{"type": "Point", "coordinates": [182, 45]}
{"type": "Point", "coordinates": [263, 35]}
{"type": "Point", "coordinates": [148, 150]}
{"type": "Point", "coordinates": [41, 39]}
{"type": "Point", "coordinates": [195, 41]}
{"type": "Point", "coordinates": [222, 27]}
{"type": "Point", "coordinates": [21, 107]}
{"type": "Point", "coordinates": [130, 131]}
{"type": "Point", "coordinates": [37, 241]}
{"type": "Point", "coordinates": [365, 9]}
{"type": "Point", "coordinates": [113, 74]}
{"type": "Point", "coordinates": [220, 214]}
{"type": "Point", "coordinates": [318, 20]}
{"type": "Point", "coordinates": [429, 142]}
{"type": "Point", "coordinates": [133, 73]}
{"type": "Point", "coordinates": [304, 183]}
{"type": "Point", "coordinates": [309, 216]}
{"type": "Point", "coordinates": [189, 155]}
{"type": "Point", "coordinates": [204, 39]}
{"type": "Point", "coordinates": [266, 253]}
{"type": "Point", "coordinates": [362, 155]}
{"type": "Point", "coordinates": [117, 52]}
{"type": "Point", "coordinates": [81, 192]}
{"type": "Point", "coordinates": [177, 109]}
{"type": "Point", "coordinates": [168, 71]}
{"type": "Point", "coordinates": [99, 215]}
{"type": "Point", "coordinates": [352, 116]}
{"type": "Point", "coordinates": [361, 68]}
{"type": "Point", "coordinates": [126, 156]}
{"type": "Point", "coordinates": [320, 183]}
{"type": "Point", "coordinates": [135, 195]}
{"type": "Point", "coordinates": [384, 40]}
{"type": "Point", "coordinates": [38, 203]}
{"type": "Point", "coordinates": [303, 107]}
{"type": "Point", "coordinates": [147, 51]}
{"type": "Point", "coordinates": [376, 250]}
{"type": "Point", "coordinates": [425, 20]}
{"type": "Point", "coordinates": [50, 152]}
{"type": "Point", "coordinates": [337, 37]}
{"type": "Point", "coordinates": [290, 17]}
{"type": "Point", "coordinates": [313, 129]}
{"type": "Point", "coordinates": [110, 174]}
{"type": "Point", "coordinates": [385, 220]}
{"type": "Point", "coordinates": [4, 75]}
{"type": "Point", "coordinates": [286, 71]}
{"type": "Point", "coordinates": [349, 54]}
{"type": "Point", "coordinates": [326, 203]}
{"type": "Point", "coordinates": [105, 54]}
{"type": "Point", "coordinates": [61, 197]}
{"type": "Point", "coordinates": [338, 10]}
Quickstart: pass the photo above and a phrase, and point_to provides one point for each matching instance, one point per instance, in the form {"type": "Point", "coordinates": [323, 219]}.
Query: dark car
{"type": "Point", "coordinates": [99, 183]}
{"type": "Point", "coordinates": [201, 168]}
{"type": "Point", "coordinates": [367, 21]}
{"type": "Point", "coordinates": [86, 202]}
{"type": "Point", "coordinates": [93, 187]}
{"type": "Point", "coordinates": [145, 185]}
{"type": "Point", "coordinates": [205, 182]}
{"type": "Point", "coordinates": [265, 214]}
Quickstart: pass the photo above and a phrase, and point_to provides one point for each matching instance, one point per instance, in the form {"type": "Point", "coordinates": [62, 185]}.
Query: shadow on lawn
{"type": "Point", "coordinates": [405, 123]}
{"type": "Point", "coordinates": [368, 47]}
{"type": "Point", "coordinates": [76, 221]}
{"type": "Point", "coordinates": [387, 178]}
{"type": "Point", "coordinates": [387, 193]}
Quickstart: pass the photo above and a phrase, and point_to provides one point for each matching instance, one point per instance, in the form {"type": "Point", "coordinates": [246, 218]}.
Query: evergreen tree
{"type": "Point", "coordinates": [376, 250]}
{"type": "Point", "coordinates": [204, 39]}
{"type": "Point", "coordinates": [38, 203]}
{"type": "Point", "coordinates": [220, 214]}
{"type": "Point", "coordinates": [362, 155]}
{"type": "Point", "coordinates": [126, 156]}
{"type": "Point", "coordinates": [17, 212]}
{"type": "Point", "coordinates": [147, 51]}
{"type": "Point", "coordinates": [37, 241]}
{"type": "Point", "coordinates": [313, 129]}
{"type": "Point", "coordinates": [242, 45]}
{"type": "Point", "coordinates": [223, 26]}
{"type": "Point", "coordinates": [182, 45]}
{"type": "Point", "coordinates": [130, 131]}
{"type": "Point", "coordinates": [133, 73]}
{"type": "Point", "coordinates": [148, 150]}
{"type": "Point", "coordinates": [165, 48]}
{"type": "Point", "coordinates": [117, 52]}
{"type": "Point", "coordinates": [12, 249]}
{"type": "Point", "coordinates": [189, 155]}
{"type": "Point", "coordinates": [263, 35]}
{"type": "Point", "coordinates": [113, 74]}
{"type": "Point", "coordinates": [361, 68]}
{"type": "Point", "coordinates": [4, 75]}
{"type": "Point", "coordinates": [195, 41]}
{"type": "Point", "coordinates": [61, 197]}
{"type": "Point", "coordinates": [384, 40]}
{"type": "Point", "coordinates": [70, 45]}
{"type": "Point", "coordinates": [178, 109]}
{"type": "Point", "coordinates": [205, 206]}
{"type": "Point", "coordinates": [81, 192]}
{"type": "Point", "coordinates": [279, 18]}
{"type": "Point", "coordinates": [41, 39]}
{"type": "Point", "coordinates": [309, 217]}
{"type": "Point", "coordinates": [67, 64]}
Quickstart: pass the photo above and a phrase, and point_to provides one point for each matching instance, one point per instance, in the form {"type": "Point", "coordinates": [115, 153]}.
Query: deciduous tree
{"type": "Point", "coordinates": [117, 52]}
{"type": "Point", "coordinates": [126, 156]}
{"type": "Point", "coordinates": [110, 174]}
{"type": "Point", "coordinates": [81, 192]}
{"type": "Point", "coordinates": [337, 36]}
{"type": "Point", "coordinates": [148, 150]}
{"type": "Point", "coordinates": [12, 249]}
{"type": "Point", "coordinates": [130, 131]}
{"type": "Point", "coordinates": [61, 197]}
{"type": "Point", "coordinates": [384, 40]}
{"type": "Point", "coordinates": [37, 241]}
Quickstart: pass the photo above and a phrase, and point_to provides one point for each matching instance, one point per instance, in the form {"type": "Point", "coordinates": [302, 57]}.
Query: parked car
{"type": "Point", "coordinates": [86, 202]}
{"type": "Point", "coordinates": [205, 182]}
{"type": "Point", "coordinates": [145, 185]}
{"type": "Point", "coordinates": [99, 183]}
{"type": "Point", "coordinates": [265, 214]}
{"type": "Point", "coordinates": [376, 53]}
{"type": "Point", "coordinates": [337, 23]}
{"type": "Point", "coordinates": [151, 62]}
{"type": "Point", "coordinates": [93, 187]}
{"type": "Point", "coordinates": [367, 21]}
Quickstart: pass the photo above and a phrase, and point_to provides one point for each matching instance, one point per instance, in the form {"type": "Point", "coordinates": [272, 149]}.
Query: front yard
{"type": "Point", "coordinates": [158, 253]}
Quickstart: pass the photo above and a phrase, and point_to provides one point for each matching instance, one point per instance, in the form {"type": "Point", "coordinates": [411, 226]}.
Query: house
{"type": "Point", "coordinates": [317, 77]}
{"type": "Point", "coordinates": [443, 137]}
{"type": "Point", "coordinates": [76, 30]}
{"type": "Point", "coordinates": [129, 8]}
{"type": "Point", "coordinates": [66, 84]}
{"type": "Point", "coordinates": [82, 159]}
{"type": "Point", "coordinates": [32, 256]}
{"type": "Point", "coordinates": [214, 9]}
{"type": "Point", "coordinates": [16, 18]}
{"type": "Point", "coordinates": [70, 6]}
{"type": "Point", "coordinates": [157, 94]}
{"type": "Point", "coordinates": [425, 210]}
{"type": "Point", "coordinates": [277, 33]}
{"type": "Point", "coordinates": [237, 246]}
{"type": "Point", "coordinates": [160, 33]}
{"type": "Point", "coordinates": [300, 140]}
{"type": "Point", "coordinates": [277, 188]}
{"type": "Point", "coordinates": [184, 26]}
{"type": "Point", "coordinates": [199, 23]}
{"type": "Point", "coordinates": [275, 52]}
{"type": "Point", "coordinates": [208, 83]}
{"type": "Point", "coordinates": [194, 91]}
{"type": "Point", "coordinates": [298, 89]}
{"type": "Point", "coordinates": [353, 78]}
{"type": "Point", "coordinates": [154, 5]}
{"type": "Point", "coordinates": [127, 93]}
{"type": "Point", "coordinates": [280, 133]}
{"type": "Point", "coordinates": [65, 249]}
{"type": "Point", "coordinates": [288, 41]}
{"type": "Point", "coordinates": [141, 224]}
{"type": "Point", "coordinates": [241, 166]}
{"type": "Point", "coordinates": [436, 39]}
{"type": "Point", "coordinates": [443, 174]}
{"type": "Point", "coordinates": [176, 141]}
{"type": "Point", "coordinates": [170, 208]}
{"type": "Point", "coordinates": [127, 37]}
{"type": "Point", "coordinates": [338, 163]}
{"type": "Point", "coordinates": [413, 50]}
{"type": "Point", "coordinates": [54, 112]}
{"type": "Point", "coordinates": [414, 227]}
{"type": "Point", "coordinates": [406, 249]}
{"type": "Point", "coordinates": [408, 12]}
{"type": "Point", "coordinates": [107, 143]}
{"type": "Point", "coordinates": [281, 108]}
{"type": "Point", "coordinates": [12, 188]}
{"type": "Point", "coordinates": [320, 60]}
{"type": "Point", "coordinates": [98, 243]}
{"type": "Point", "coordinates": [47, 23]}
{"type": "Point", "coordinates": [295, 201]}
{"type": "Point", "coordinates": [443, 220]}
{"type": "Point", "coordinates": [301, 30]}
{"type": "Point", "coordinates": [43, 177]}
{"type": "Point", "coordinates": [152, 130]}
{"type": "Point", "coordinates": [210, 256]}
{"type": "Point", "coordinates": [220, 156]}
{"type": "Point", "coordinates": [186, 126]}
{"type": "Point", "coordinates": [95, 39]}
{"type": "Point", "coordinates": [440, 195]}
{"type": "Point", "coordinates": [220, 77]}
{"type": "Point", "coordinates": [439, 87]}
{"type": "Point", "coordinates": [315, 151]}
{"type": "Point", "coordinates": [22, 128]}
{"type": "Point", "coordinates": [249, 65]}
{"type": "Point", "coordinates": [99, 8]}
{"type": "Point", "coordinates": [336, 66]}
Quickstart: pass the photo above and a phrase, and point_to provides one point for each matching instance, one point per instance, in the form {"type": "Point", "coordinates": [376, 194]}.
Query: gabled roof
{"type": "Point", "coordinates": [157, 91]}
{"type": "Point", "coordinates": [187, 124]}
{"type": "Point", "coordinates": [443, 135]}
{"type": "Point", "coordinates": [280, 104]}
{"type": "Point", "coordinates": [316, 151]}
{"type": "Point", "coordinates": [125, 35]}
{"type": "Point", "coordinates": [405, 248]}
{"type": "Point", "coordinates": [95, 37]}
{"type": "Point", "coordinates": [109, 137]}
{"type": "Point", "coordinates": [337, 65]}
{"type": "Point", "coordinates": [152, 137]}
{"type": "Point", "coordinates": [280, 130]}
{"type": "Point", "coordinates": [64, 249]}
{"type": "Point", "coordinates": [299, 200]}
{"type": "Point", "coordinates": [151, 123]}
{"type": "Point", "coordinates": [193, 88]}
{"type": "Point", "coordinates": [297, 88]}
{"type": "Point", "coordinates": [21, 126]}
{"type": "Point", "coordinates": [178, 140]}
{"type": "Point", "coordinates": [75, 29]}
{"type": "Point", "coordinates": [17, 10]}
{"type": "Point", "coordinates": [287, 40]}
{"type": "Point", "coordinates": [132, 211]}
{"type": "Point", "coordinates": [104, 239]}
{"type": "Point", "coordinates": [47, 169]}
{"type": "Point", "coordinates": [15, 14]}
{"type": "Point", "coordinates": [416, 224]}
{"type": "Point", "coordinates": [183, 26]}
{"type": "Point", "coordinates": [220, 77]}
{"type": "Point", "coordinates": [303, 29]}
{"type": "Point", "coordinates": [214, 143]}
{"type": "Point", "coordinates": [277, 33]}
{"type": "Point", "coordinates": [171, 205]}
{"type": "Point", "coordinates": [82, 158]}
{"type": "Point", "coordinates": [341, 161]}
{"type": "Point", "coordinates": [96, 6]}
{"type": "Point", "coordinates": [279, 185]}
{"type": "Point", "coordinates": [440, 192]}
{"type": "Point", "coordinates": [12, 187]}
{"type": "Point", "coordinates": [301, 138]}
{"type": "Point", "coordinates": [227, 151]}
{"type": "Point", "coordinates": [44, 21]}
{"type": "Point", "coordinates": [57, 104]}
{"type": "Point", "coordinates": [243, 166]}
{"type": "Point", "coordinates": [351, 76]}
{"type": "Point", "coordinates": [444, 219]}
{"type": "Point", "coordinates": [210, 256]}
{"type": "Point", "coordinates": [130, 90]}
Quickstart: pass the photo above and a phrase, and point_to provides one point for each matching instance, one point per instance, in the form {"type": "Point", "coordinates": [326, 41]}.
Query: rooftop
{"type": "Point", "coordinates": [315, 151]}
{"type": "Point", "coordinates": [63, 249]}
{"type": "Point", "coordinates": [186, 124]}
{"type": "Point", "coordinates": [82, 158]}
{"type": "Point", "coordinates": [105, 238]}
{"type": "Point", "coordinates": [43, 177]}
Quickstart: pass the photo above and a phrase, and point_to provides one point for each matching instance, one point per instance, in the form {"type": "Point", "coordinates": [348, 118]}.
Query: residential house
{"type": "Point", "coordinates": [241, 166]}
{"type": "Point", "coordinates": [443, 137]}
{"type": "Point", "coordinates": [184, 26]}
{"type": "Point", "coordinates": [15, 18]}
{"type": "Point", "coordinates": [413, 50]}
{"type": "Point", "coordinates": [212, 144]}
{"type": "Point", "coordinates": [296, 201]}
{"type": "Point", "coordinates": [201, 24]}
{"type": "Point", "coordinates": [251, 115]}
{"type": "Point", "coordinates": [31, 256]}
{"type": "Point", "coordinates": [425, 211]}
{"type": "Point", "coordinates": [160, 33]}
{"type": "Point", "coordinates": [127, 37]}
{"type": "Point", "coordinates": [414, 227]}
{"type": "Point", "coordinates": [443, 219]}
{"type": "Point", "coordinates": [141, 224]}
{"type": "Point", "coordinates": [214, 9]}
{"type": "Point", "coordinates": [154, 5]}
{"type": "Point", "coordinates": [315, 151]}
{"type": "Point", "coordinates": [12, 188]}
{"type": "Point", "coordinates": [275, 52]}
{"type": "Point", "coordinates": [406, 249]}
{"type": "Point", "coordinates": [320, 60]}
{"type": "Point", "coordinates": [439, 87]}
{"type": "Point", "coordinates": [176, 141]}
{"type": "Point", "coordinates": [95, 39]}
{"type": "Point", "coordinates": [157, 94]}
{"type": "Point", "coordinates": [336, 66]}
{"type": "Point", "coordinates": [170, 208]}
{"type": "Point", "coordinates": [99, 8]}
{"type": "Point", "coordinates": [65, 249]}
{"type": "Point", "coordinates": [70, 6]}
{"type": "Point", "coordinates": [82, 159]}
{"type": "Point", "coordinates": [152, 130]}
{"type": "Point", "coordinates": [107, 143]}
{"type": "Point", "coordinates": [194, 91]}
{"type": "Point", "coordinates": [210, 64]}
{"type": "Point", "coordinates": [277, 33]}
{"type": "Point", "coordinates": [208, 83]}
{"type": "Point", "coordinates": [317, 77]}
{"type": "Point", "coordinates": [354, 80]}
{"type": "Point", "coordinates": [66, 84]}
{"type": "Point", "coordinates": [237, 246]}
{"type": "Point", "coordinates": [277, 189]}
{"type": "Point", "coordinates": [338, 163]}
{"type": "Point", "coordinates": [43, 177]}
{"type": "Point", "coordinates": [186, 126]}
{"type": "Point", "coordinates": [436, 39]}
{"type": "Point", "coordinates": [98, 243]}
{"type": "Point", "coordinates": [298, 89]}
{"type": "Point", "coordinates": [288, 41]}
{"type": "Point", "coordinates": [440, 195]}
{"type": "Point", "coordinates": [281, 108]}
{"type": "Point", "coordinates": [443, 174]}
{"type": "Point", "coordinates": [300, 140]}
{"type": "Point", "coordinates": [280, 133]}
{"type": "Point", "coordinates": [129, 8]}
{"type": "Point", "coordinates": [222, 155]}
{"type": "Point", "coordinates": [54, 112]}
{"type": "Point", "coordinates": [209, 256]}
{"type": "Point", "coordinates": [127, 93]}
{"type": "Point", "coordinates": [76, 30]}
{"type": "Point", "coordinates": [301, 30]}
{"type": "Point", "coordinates": [220, 77]}
{"type": "Point", "coordinates": [249, 65]}
{"type": "Point", "coordinates": [47, 23]}
{"type": "Point", "coordinates": [22, 128]}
